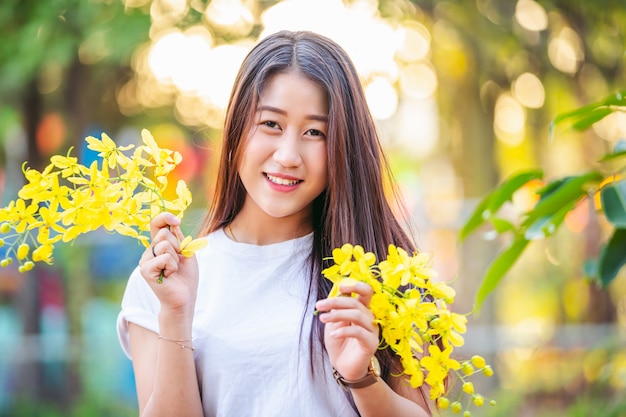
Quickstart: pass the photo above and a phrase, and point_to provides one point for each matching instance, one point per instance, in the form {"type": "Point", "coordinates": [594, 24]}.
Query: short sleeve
{"type": "Point", "coordinates": [140, 306]}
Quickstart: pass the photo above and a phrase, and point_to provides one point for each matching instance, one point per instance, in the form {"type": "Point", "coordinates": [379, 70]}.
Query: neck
{"type": "Point", "coordinates": [266, 230]}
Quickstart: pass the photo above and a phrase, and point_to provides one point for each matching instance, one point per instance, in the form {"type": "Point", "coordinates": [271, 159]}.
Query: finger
{"type": "Point", "coordinates": [350, 316]}
{"type": "Point", "coordinates": [165, 241]}
{"type": "Point", "coordinates": [329, 304]}
{"type": "Point", "coordinates": [357, 332]}
{"type": "Point", "coordinates": [364, 291]}
{"type": "Point", "coordinates": [163, 220]}
{"type": "Point", "coordinates": [153, 268]}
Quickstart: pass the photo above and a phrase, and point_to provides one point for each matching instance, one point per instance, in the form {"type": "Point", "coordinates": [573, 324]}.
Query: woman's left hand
{"type": "Point", "coordinates": [350, 334]}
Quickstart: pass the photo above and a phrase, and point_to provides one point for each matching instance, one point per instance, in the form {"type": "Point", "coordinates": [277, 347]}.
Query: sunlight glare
{"type": "Point", "coordinates": [231, 14]}
{"type": "Point", "coordinates": [414, 44]}
{"type": "Point", "coordinates": [382, 98]}
{"type": "Point", "coordinates": [220, 76]}
{"type": "Point", "coordinates": [164, 54]}
{"type": "Point", "coordinates": [418, 81]}
{"type": "Point", "coordinates": [370, 42]}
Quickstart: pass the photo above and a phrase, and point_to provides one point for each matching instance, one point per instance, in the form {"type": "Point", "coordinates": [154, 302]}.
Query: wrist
{"type": "Point", "coordinates": [370, 377]}
{"type": "Point", "coordinates": [175, 323]}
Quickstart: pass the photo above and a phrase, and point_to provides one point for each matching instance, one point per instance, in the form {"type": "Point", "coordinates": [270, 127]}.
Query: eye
{"type": "Point", "coordinates": [315, 132]}
{"type": "Point", "coordinates": [270, 124]}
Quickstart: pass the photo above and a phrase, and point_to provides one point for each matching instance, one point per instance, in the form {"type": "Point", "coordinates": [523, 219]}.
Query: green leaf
{"type": "Point", "coordinates": [546, 225]}
{"type": "Point", "coordinates": [588, 119]}
{"type": "Point", "coordinates": [492, 202]}
{"type": "Point", "coordinates": [498, 268]}
{"type": "Point", "coordinates": [613, 199]}
{"type": "Point", "coordinates": [613, 257]}
{"type": "Point", "coordinates": [561, 194]}
{"type": "Point", "coordinates": [583, 117]}
{"type": "Point", "coordinates": [613, 156]}
{"type": "Point", "coordinates": [502, 226]}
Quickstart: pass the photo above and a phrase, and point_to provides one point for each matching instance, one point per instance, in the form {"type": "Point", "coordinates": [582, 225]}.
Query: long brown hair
{"type": "Point", "coordinates": [356, 206]}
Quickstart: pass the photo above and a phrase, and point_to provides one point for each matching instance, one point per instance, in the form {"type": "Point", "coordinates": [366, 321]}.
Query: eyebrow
{"type": "Point", "coordinates": [284, 113]}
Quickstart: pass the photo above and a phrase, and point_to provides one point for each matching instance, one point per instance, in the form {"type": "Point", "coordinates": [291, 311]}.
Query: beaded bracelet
{"type": "Point", "coordinates": [179, 342]}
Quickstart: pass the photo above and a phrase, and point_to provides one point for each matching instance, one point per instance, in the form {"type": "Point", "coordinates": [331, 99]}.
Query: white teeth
{"type": "Point", "coordinates": [281, 181]}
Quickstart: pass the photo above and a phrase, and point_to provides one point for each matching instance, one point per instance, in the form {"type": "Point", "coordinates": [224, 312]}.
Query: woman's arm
{"type": "Point", "coordinates": [380, 399]}
{"type": "Point", "coordinates": [351, 338]}
{"type": "Point", "coordinates": [165, 372]}
{"type": "Point", "coordinates": [165, 375]}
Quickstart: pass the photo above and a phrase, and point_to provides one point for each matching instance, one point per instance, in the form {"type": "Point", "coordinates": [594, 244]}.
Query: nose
{"type": "Point", "coordinates": [287, 151]}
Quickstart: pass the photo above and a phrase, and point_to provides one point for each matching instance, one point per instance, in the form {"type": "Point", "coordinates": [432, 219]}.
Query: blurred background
{"type": "Point", "coordinates": [463, 92]}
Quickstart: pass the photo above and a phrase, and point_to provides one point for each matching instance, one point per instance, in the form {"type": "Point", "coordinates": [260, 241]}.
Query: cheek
{"type": "Point", "coordinates": [322, 166]}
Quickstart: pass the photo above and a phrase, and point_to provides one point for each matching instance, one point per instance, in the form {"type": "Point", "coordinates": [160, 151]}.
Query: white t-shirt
{"type": "Point", "coordinates": [252, 355]}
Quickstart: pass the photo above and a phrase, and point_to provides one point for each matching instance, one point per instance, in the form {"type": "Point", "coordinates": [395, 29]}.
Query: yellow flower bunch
{"type": "Point", "coordinates": [66, 199]}
{"type": "Point", "coordinates": [412, 311]}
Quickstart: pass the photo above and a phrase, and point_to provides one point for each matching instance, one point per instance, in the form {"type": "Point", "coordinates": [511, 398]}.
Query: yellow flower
{"type": "Point", "coordinates": [443, 291]}
{"type": "Point", "coordinates": [188, 246]}
{"type": "Point", "coordinates": [38, 184]}
{"type": "Point", "coordinates": [410, 308]}
{"type": "Point", "coordinates": [68, 165]}
{"type": "Point", "coordinates": [335, 290]}
{"type": "Point", "coordinates": [165, 160]}
{"type": "Point", "coordinates": [43, 254]}
{"type": "Point", "coordinates": [182, 202]}
{"type": "Point", "coordinates": [108, 149]}
{"type": "Point", "coordinates": [47, 211]}
{"type": "Point", "coordinates": [438, 361]}
{"type": "Point", "coordinates": [22, 215]}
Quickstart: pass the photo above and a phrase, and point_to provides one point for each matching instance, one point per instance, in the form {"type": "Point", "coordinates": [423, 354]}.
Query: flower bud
{"type": "Point", "coordinates": [5, 227]}
{"type": "Point", "coordinates": [468, 388]}
{"type": "Point", "coordinates": [479, 400]}
{"type": "Point", "coordinates": [22, 251]}
{"type": "Point", "coordinates": [467, 368]}
{"type": "Point", "coordinates": [443, 403]}
{"type": "Point", "coordinates": [478, 361]}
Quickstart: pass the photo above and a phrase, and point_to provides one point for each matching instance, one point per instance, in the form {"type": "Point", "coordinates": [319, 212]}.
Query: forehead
{"type": "Point", "coordinates": [293, 88]}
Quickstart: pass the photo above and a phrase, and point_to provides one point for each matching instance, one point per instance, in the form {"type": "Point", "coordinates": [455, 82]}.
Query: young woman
{"type": "Point", "coordinates": [232, 330]}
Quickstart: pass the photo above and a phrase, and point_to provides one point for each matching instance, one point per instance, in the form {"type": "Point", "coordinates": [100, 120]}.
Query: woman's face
{"type": "Point", "coordinates": [284, 164]}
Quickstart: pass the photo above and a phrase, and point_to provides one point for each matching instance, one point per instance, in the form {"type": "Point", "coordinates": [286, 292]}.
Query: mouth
{"type": "Point", "coordinates": [282, 181]}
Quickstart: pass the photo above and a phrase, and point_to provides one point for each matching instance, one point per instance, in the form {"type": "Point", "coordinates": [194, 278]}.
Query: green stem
{"type": "Point", "coordinates": [160, 280]}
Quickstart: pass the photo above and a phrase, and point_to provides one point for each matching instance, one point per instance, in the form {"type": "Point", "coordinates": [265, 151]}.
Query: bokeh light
{"type": "Point", "coordinates": [509, 120]}
{"type": "Point", "coordinates": [529, 91]}
{"type": "Point", "coordinates": [565, 51]}
{"type": "Point", "coordinates": [531, 15]}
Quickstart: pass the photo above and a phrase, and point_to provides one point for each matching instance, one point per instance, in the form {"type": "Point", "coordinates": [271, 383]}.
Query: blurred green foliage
{"type": "Point", "coordinates": [557, 198]}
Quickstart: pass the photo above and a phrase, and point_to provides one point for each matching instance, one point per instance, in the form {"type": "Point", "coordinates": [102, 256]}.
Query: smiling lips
{"type": "Point", "coordinates": [282, 181]}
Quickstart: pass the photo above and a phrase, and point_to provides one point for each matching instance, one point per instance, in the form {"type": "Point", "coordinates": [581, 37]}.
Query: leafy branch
{"type": "Point", "coordinates": [557, 198]}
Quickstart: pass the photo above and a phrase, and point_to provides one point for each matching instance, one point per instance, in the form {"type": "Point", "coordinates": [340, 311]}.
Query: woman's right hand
{"type": "Point", "coordinates": [177, 291]}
